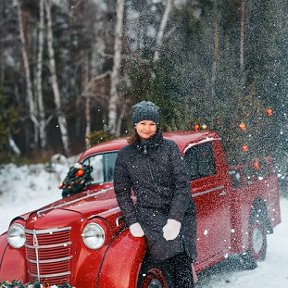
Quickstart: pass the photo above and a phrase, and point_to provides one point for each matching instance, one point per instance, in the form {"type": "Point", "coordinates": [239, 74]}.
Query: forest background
{"type": "Point", "coordinates": [70, 70]}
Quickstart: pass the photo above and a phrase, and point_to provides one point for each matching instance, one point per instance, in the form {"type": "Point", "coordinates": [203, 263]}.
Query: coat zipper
{"type": "Point", "coordinates": [153, 180]}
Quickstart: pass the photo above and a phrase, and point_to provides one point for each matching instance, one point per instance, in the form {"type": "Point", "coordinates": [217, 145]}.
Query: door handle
{"type": "Point", "coordinates": [222, 193]}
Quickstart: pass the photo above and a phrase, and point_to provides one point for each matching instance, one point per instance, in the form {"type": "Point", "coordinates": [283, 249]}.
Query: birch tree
{"type": "Point", "coordinates": [55, 87]}
{"type": "Point", "coordinates": [42, 122]}
{"type": "Point", "coordinates": [87, 102]}
{"type": "Point", "coordinates": [115, 76]}
{"type": "Point", "coordinates": [30, 99]}
{"type": "Point", "coordinates": [120, 120]}
{"type": "Point", "coordinates": [95, 78]}
{"type": "Point", "coordinates": [160, 35]}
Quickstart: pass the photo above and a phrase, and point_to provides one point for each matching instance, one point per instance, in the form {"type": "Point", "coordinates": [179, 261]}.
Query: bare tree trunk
{"type": "Point", "coordinates": [57, 99]}
{"type": "Point", "coordinates": [42, 122]}
{"type": "Point", "coordinates": [87, 102]}
{"type": "Point", "coordinates": [88, 119]}
{"type": "Point", "coordinates": [31, 103]}
{"type": "Point", "coordinates": [216, 47]}
{"type": "Point", "coordinates": [163, 24]}
{"type": "Point", "coordinates": [119, 124]}
{"type": "Point", "coordinates": [13, 144]}
{"type": "Point", "coordinates": [115, 77]}
{"type": "Point", "coordinates": [242, 38]}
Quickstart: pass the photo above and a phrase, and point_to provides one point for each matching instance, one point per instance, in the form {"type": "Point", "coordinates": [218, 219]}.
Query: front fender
{"type": "Point", "coordinates": [3, 245]}
{"type": "Point", "coordinates": [122, 262]}
{"type": "Point", "coordinates": [12, 262]}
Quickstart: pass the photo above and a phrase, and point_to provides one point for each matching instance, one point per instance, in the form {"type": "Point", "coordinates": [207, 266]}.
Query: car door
{"type": "Point", "coordinates": [209, 192]}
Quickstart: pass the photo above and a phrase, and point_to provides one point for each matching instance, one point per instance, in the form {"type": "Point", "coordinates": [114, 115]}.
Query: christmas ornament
{"type": "Point", "coordinates": [77, 178]}
{"type": "Point", "coordinates": [245, 148]}
{"type": "Point", "coordinates": [204, 126]}
{"type": "Point", "coordinates": [269, 112]}
{"type": "Point", "coordinates": [80, 172]}
{"type": "Point", "coordinates": [196, 127]}
{"type": "Point", "coordinates": [256, 164]}
{"type": "Point", "coordinates": [242, 126]}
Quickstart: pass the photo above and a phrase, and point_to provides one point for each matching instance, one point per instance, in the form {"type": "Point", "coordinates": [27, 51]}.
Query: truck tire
{"type": "Point", "coordinates": [257, 240]}
{"type": "Point", "coordinates": [154, 275]}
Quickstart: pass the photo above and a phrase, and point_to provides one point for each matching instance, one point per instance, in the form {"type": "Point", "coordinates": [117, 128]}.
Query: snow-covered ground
{"type": "Point", "coordinates": [25, 188]}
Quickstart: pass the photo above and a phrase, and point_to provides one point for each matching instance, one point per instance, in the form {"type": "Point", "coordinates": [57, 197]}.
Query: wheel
{"type": "Point", "coordinates": [257, 240]}
{"type": "Point", "coordinates": [153, 275]}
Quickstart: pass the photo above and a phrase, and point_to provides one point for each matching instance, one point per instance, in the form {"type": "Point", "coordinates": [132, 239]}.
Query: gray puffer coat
{"type": "Point", "coordinates": [156, 172]}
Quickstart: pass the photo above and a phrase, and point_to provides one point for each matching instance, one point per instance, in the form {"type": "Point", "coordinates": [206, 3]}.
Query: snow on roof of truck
{"type": "Point", "coordinates": [186, 139]}
{"type": "Point", "coordinates": [182, 138]}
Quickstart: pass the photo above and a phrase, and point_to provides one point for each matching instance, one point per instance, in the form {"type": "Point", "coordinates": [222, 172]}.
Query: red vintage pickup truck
{"type": "Point", "coordinates": [83, 240]}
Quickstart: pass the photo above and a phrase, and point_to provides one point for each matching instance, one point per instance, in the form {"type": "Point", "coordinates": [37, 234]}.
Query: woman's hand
{"type": "Point", "coordinates": [136, 230]}
{"type": "Point", "coordinates": [172, 229]}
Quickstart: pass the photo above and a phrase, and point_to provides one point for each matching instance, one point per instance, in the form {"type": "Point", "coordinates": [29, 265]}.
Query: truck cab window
{"type": "Point", "coordinates": [103, 166]}
{"type": "Point", "coordinates": [200, 161]}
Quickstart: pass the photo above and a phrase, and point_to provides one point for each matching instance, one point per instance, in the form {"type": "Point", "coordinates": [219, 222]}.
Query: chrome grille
{"type": "Point", "coordinates": [48, 253]}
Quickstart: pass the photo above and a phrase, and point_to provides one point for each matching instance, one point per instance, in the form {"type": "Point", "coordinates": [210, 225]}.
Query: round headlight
{"type": "Point", "coordinates": [16, 235]}
{"type": "Point", "coordinates": [93, 236]}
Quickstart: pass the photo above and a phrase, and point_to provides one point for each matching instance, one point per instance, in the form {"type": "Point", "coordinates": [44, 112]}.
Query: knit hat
{"type": "Point", "coordinates": [145, 110]}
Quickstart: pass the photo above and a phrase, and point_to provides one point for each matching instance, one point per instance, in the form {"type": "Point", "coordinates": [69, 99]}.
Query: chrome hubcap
{"type": "Point", "coordinates": [257, 239]}
{"type": "Point", "coordinates": [155, 284]}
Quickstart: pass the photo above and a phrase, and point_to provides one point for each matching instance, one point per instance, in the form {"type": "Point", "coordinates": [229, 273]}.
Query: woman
{"type": "Point", "coordinates": [164, 212]}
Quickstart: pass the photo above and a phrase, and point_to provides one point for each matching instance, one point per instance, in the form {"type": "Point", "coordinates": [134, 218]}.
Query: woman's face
{"type": "Point", "coordinates": [146, 129]}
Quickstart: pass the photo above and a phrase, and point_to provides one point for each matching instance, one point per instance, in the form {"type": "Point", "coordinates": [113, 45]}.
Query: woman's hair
{"type": "Point", "coordinates": [134, 137]}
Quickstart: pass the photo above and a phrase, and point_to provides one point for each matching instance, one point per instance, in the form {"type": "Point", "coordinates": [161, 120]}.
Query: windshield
{"type": "Point", "coordinates": [103, 166]}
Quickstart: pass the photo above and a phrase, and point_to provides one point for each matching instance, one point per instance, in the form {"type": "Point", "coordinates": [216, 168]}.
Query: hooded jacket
{"type": "Point", "coordinates": [156, 173]}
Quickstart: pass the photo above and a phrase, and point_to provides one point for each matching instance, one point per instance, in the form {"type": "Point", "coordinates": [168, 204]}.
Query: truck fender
{"type": "Point", "coordinates": [12, 262]}
{"type": "Point", "coordinates": [3, 246]}
{"type": "Point", "coordinates": [122, 262]}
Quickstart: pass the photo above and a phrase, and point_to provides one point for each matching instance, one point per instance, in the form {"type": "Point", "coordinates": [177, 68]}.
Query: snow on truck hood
{"type": "Point", "coordinates": [98, 201]}
{"type": "Point", "coordinates": [80, 205]}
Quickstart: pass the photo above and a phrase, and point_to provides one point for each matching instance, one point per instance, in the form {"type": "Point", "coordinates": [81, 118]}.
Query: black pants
{"type": "Point", "coordinates": [181, 271]}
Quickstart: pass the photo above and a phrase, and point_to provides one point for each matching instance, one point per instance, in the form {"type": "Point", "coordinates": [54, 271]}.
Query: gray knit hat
{"type": "Point", "coordinates": [145, 110]}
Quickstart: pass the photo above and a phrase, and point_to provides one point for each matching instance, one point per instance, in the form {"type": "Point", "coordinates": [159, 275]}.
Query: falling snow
{"type": "Point", "coordinates": [24, 188]}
